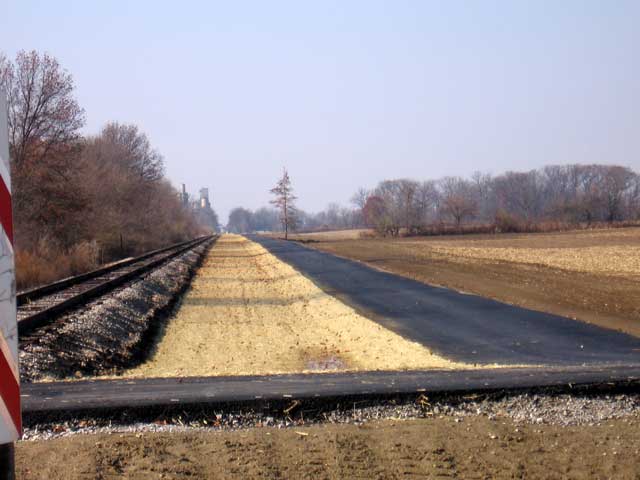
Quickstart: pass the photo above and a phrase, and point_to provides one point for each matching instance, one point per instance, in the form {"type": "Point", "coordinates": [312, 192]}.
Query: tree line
{"type": "Point", "coordinates": [80, 200]}
{"type": "Point", "coordinates": [552, 197]}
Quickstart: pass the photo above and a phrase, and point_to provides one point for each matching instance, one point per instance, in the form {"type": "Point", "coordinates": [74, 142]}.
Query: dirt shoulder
{"type": "Point", "coordinates": [473, 447]}
{"type": "Point", "coordinates": [593, 276]}
{"type": "Point", "coordinates": [248, 313]}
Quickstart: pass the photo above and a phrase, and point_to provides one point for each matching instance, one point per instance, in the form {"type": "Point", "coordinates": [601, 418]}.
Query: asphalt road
{"type": "Point", "coordinates": [458, 326]}
{"type": "Point", "coordinates": [50, 397]}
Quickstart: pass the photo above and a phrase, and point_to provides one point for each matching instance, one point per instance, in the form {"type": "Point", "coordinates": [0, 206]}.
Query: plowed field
{"type": "Point", "coordinates": [438, 448]}
{"type": "Point", "coordinates": [593, 275]}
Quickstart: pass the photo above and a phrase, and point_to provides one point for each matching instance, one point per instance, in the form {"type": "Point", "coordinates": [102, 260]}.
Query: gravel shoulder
{"type": "Point", "coordinates": [248, 313]}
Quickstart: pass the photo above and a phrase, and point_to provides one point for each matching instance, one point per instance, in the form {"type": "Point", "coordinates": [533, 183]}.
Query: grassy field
{"type": "Point", "coordinates": [590, 275]}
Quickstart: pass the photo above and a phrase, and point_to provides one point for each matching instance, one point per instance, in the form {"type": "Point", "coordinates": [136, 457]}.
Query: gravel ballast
{"type": "Point", "coordinates": [532, 408]}
{"type": "Point", "coordinates": [110, 332]}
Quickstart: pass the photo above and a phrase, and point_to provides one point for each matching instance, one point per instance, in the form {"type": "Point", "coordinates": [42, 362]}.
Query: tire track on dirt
{"type": "Point", "coordinates": [254, 459]}
{"type": "Point", "coordinates": [355, 459]}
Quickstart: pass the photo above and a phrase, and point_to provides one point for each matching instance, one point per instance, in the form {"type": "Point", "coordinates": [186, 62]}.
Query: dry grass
{"type": "Point", "coordinates": [47, 264]}
{"type": "Point", "coordinates": [601, 252]}
{"type": "Point", "coordinates": [333, 235]}
{"type": "Point", "coordinates": [249, 313]}
{"type": "Point", "coordinates": [616, 261]}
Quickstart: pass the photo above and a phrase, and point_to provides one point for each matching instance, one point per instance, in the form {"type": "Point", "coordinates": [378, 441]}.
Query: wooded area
{"type": "Point", "coordinates": [550, 198]}
{"type": "Point", "coordinates": [555, 197]}
{"type": "Point", "coordinates": [80, 201]}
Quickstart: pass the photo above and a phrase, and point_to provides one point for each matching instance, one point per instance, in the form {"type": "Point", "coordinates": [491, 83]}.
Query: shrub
{"type": "Point", "coordinates": [47, 263]}
{"type": "Point", "coordinates": [507, 223]}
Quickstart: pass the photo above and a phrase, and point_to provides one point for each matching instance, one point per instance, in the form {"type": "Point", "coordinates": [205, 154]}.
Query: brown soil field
{"type": "Point", "coordinates": [591, 275]}
{"type": "Point", "coordinates": [248, 313]}
{"type": "Point", "coordinates": [426, 448]}
{"type": "Point", "coordinates": [352, 234]}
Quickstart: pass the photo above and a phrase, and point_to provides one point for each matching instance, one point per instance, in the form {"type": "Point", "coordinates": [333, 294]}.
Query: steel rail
{"type": "Point", "coordinates": [29, 295]}
{"type": "Point", "coordinates": [39, 306]}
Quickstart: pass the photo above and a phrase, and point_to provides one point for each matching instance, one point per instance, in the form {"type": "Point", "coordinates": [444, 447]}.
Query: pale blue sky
{"type": "Point", "coordinates": [346, 93]}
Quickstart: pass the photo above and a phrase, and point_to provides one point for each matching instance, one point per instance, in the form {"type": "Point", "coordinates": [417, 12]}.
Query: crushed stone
{"type": "Point", "coordinates": [525, 408]}
{"type": "Point", "coordinates": [108, 332]}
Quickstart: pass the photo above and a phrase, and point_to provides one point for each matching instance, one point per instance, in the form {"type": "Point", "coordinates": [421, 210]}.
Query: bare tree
{"type": "Point", "coordinates": [374, 211]}
{"type": "Point", "coordinates": [520, 193]}
{"type": "Point", "coordinates": [457, 199]}
{"type": "Point", "coordinates": [426, 201]}
{"type": "Point", "coordinates": [136, 153]}
{"type": "Point", "coordinates": [129, 197]}
{"type": "Point", "coordinates": [240, 220]}
{"type": "Point", "coordinates": [76, 196]}
{"type": "Point", "coordinates": [43, 113]}
{"type": "Point", "coordinates": [587, 205]}
{"type": "Point", "coordinates": [44, 122]}
{"type": "Point", "coordinates": [400, 205]}
{"type": "Point", "coordinates": [512, 201]}
{"type": "Point", "coordinates": [483, 186]}
{"type": "Point", "coordinates": [618, 185]}
{"type": "Point", "coordinates": [359, 199]}
{"type": "Point", "coordinates": [265, 219]}
{"type": "Point", "coordinates": [407, 191]}
{"type": "Point", "coordinates": [284, 201]}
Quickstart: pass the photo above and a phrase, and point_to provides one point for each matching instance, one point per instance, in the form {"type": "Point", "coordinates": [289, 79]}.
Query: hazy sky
{"type": "Point", "coordinates": [346, 93]}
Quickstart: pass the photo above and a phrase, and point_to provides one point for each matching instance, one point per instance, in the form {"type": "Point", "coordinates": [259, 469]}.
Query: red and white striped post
{"type": "Point", "coordinates": [10, 418]}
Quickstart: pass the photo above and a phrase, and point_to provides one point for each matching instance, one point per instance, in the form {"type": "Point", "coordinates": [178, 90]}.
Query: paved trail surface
{"type": "Point", "coordinates": [169, 392]}
{"type": "Point", "coordinates": [464, 328]}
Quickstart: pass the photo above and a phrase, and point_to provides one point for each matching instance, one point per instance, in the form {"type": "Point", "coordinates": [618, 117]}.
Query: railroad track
{"type": "Point", "coordinates": [40, 306]}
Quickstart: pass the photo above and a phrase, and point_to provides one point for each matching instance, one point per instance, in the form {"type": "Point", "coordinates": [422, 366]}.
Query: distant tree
{"type": "Point", "coordinates": [485, 200]}
{"type": "Point", "coordinates": [618, 185]}
{"type": "Point", "coordinates": [333, 215]}
{"type": "Point", "coordinates": [633, 201]}
{"type": "Point", "coordinates": [587, 201]}
{"type": "Point", "coordinates": [285, 202]}
{"type": "Point", "coordinates": [408, 195]}
{"type": "Point", "coordinates": [373, 211]}
{"type": "Point", "coordinates": [265, 220]}
{"type": "Point", "coordinates": [521, 193]}
{"type": "Point", "coordinates": [359, 199]}
{"type": "Point", "coordinates": [426, 200]}
{"type": "Point", "coordinates": [458, 200]}
{"type": "Point", "coordinates": [400, 204]}
{"type": "Point", "coordinates": [240, 221]}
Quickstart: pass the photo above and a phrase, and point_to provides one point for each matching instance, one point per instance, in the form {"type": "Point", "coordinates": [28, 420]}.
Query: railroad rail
{"type": "Point", "coordinates": [39, 306]}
